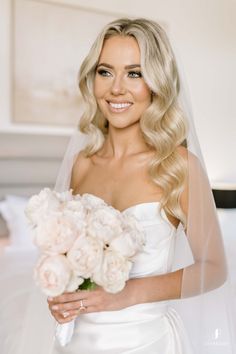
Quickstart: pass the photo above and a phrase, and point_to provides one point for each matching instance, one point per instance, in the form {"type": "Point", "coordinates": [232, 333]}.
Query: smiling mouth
{"type": "Point", "coordinates": [119, 107]}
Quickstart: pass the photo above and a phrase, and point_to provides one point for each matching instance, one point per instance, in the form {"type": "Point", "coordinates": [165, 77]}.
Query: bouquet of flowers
{"type": "Point", "coordinates": [83, 241]}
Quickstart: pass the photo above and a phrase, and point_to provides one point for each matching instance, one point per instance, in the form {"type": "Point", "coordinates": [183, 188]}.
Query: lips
{"type": "Point", "coordinates": [119, 106]}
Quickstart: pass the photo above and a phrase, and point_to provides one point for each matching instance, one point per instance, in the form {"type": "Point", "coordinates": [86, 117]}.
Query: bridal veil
{"type": "Point", "coordinates": [205, 303]}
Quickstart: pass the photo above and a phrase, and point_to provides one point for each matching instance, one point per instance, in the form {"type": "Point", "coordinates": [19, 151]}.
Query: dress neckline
{"type": "Point", "coordinates": [124, 210]}
{"type": "Point", "coordinates": [154, 203]}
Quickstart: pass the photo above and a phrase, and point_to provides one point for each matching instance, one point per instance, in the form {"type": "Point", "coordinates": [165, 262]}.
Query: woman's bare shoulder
{"type": "Point", "coordinates": [80, 168]}
{"type": "Point", "coordinates": [182, 151]}
{"type": "Point", "coordinates": [187, 155]}
{"type": "Point", "coordinates": [81, 160]}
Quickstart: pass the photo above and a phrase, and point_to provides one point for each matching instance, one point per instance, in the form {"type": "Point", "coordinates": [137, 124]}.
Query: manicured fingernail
{"type": "Point", "coordinates": [65, 314]}
{"type": "Point", "coordinates": [55, 307]}
{"type": "Point", "coordinates": [50, 298]}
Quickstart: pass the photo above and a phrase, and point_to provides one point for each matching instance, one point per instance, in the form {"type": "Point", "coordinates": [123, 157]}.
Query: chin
{"type": "Point", "coordinates": [122, 125]}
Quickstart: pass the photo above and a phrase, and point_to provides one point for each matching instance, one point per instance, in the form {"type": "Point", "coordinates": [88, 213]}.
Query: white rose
{"type": "Point", "coordinates": [86, 255]}
{"type": "Point", "coordinates": [104, 223]}
{"type": "Point", "coordinates": [132, 239]}
{"type": "Point", "coordinates": [41, 205]}
{"type": "Point", "coordinates": [52, 274]}
{"type": "Point", "coordinates": [57, 233]}
{"type": "Point", "coordinates": [114, 272]}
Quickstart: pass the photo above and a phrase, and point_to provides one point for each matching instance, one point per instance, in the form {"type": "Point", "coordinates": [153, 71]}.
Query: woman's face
{"type": "Point", "coordinates": [120, 90]}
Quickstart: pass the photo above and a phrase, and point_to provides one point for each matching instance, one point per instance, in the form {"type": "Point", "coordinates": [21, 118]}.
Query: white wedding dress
{"type": "Point", "coordinates": [150, 328]}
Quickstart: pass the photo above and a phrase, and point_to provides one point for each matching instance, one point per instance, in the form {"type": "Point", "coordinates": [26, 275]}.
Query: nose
{"type": "Point", "coordinates": [118, 86]}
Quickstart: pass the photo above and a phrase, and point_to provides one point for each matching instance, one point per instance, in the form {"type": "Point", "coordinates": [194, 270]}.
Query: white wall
{"type": "Point", "coordinates": [204, 32]}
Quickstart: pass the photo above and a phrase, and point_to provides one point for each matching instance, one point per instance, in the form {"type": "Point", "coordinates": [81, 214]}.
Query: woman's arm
{"type": "Point", "coordinates": [139, 290]}
{"type": "Point", "coordinates": [155, 288]}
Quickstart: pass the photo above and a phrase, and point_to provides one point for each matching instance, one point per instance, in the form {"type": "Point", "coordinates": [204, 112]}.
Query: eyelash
{"type": "Point", "coordinates": [137, 74]}
{"type": "Point", "coordinates": [103, 72]}
{"type": "Point", "coordinates": [134, 74]}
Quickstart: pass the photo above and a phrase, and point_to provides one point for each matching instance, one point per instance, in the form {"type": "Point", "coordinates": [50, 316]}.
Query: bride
{"type": "Point", "coordinates": [140, 157]}
{"type": "Point", "coordinates": [135, 150]}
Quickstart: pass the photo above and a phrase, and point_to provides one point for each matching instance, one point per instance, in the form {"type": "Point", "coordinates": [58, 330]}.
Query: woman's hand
{"type": "Point", "coordinates": [68, 306]}
{"type": "Point", "coordinates": [136, 291]}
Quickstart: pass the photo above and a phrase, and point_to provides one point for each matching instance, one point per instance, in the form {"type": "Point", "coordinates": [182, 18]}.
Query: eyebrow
{"type": "Point", "coordinates": [132, 66]}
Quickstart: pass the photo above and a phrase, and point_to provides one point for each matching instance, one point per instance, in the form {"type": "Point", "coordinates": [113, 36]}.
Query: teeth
{"type": "Point", "coordinates": [120, 105]}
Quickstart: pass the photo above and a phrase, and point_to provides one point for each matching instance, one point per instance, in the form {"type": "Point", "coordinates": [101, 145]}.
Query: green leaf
{"type": "Point", "coordinates": [87, 285]}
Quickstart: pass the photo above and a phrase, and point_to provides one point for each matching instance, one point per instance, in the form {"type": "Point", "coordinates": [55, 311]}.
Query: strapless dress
{"type": "Point", "coordinates": [148, 328]}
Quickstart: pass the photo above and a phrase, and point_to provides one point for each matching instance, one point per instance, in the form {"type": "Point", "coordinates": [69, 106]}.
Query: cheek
{"type": "Point", "coordinates": [96, 89]}
{"type": "Point", "coordinates": [100, 87]}
{"type": "Point", "coordinates": [142, 94]}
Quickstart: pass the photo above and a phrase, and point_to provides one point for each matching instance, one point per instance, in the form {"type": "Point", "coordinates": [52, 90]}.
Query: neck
{"type": "Point", "coordinates": [123, 142]}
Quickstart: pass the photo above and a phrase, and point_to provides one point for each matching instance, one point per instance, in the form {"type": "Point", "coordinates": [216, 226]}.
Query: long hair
{"type": "Point", "coordinates": [163, 124]}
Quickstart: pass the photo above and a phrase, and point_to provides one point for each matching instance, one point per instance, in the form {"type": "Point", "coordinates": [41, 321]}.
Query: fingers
{"type": "Point", "coordinates": [64, 314]}
{"type": "Point", "coordinates": [67, 311]}
{"type": "Point", "coordinates": [69, 297]}
{"type": "Point", "coordinates": [64, 317]}
{"type": "Point", "coordinates": [68, 306]}
{"type": "Point", "coordinates": [67, 316]}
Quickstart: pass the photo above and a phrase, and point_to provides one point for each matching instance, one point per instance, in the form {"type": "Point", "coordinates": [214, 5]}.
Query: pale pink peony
{"type": "Point", "coordinates": [91, 202]}
{"type": "Point", "coordinates": [86, 255]}
{"type": "Point", "coordinates": [57, 233]}
{"type": "Point", "coordinates": [65, 196]}
{"type": "Point", "coordinates": [114, 272]}
{"type": "Point", "coordinates": [82, 237]}
{"type": "Point", "coordinates": [131, 240]}
{"type": "Point", "coordinates": [41, 205]}
{"type": "Point", "coordinates": [76, 206]}
{"type": "Point", "coordinates": [76, 212]}
{"type": "Point", "coordinates": [74, 282]}
{"type": "Point", "coordinates": [104, 223]}
{"type": "Point", "coordinates": [52, 274]}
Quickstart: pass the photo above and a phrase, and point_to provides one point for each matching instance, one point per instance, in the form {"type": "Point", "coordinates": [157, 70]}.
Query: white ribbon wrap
{"type": "Point", "coordinates": [64, 332]}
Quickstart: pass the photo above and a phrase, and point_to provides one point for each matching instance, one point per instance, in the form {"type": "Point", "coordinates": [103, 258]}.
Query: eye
{"type": "Point", "coordinates": [103, 72]}
{"type": "Point", "coordinates": [134, 74]}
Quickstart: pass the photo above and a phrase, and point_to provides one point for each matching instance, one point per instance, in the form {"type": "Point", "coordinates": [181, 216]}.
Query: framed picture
{"type": "Point", "coordinates": [49, 41]}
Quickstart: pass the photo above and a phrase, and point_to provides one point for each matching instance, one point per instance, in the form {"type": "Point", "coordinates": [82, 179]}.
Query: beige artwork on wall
{"type": "Point", "coordinates": [49, 42]}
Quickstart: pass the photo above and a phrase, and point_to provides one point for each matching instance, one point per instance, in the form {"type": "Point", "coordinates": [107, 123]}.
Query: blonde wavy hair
{"type": "Point", "coordinates": [163, 124]}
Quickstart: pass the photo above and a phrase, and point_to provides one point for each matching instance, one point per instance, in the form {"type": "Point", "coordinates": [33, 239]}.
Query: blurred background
{"type": "Point", "coordinates": [42, 44]}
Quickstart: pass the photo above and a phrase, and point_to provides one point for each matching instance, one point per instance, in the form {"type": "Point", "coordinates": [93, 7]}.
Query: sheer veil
{"type": "Point", "coordinates": [205, 303]}
{"type": "Point", "coordinates": [205, 298]}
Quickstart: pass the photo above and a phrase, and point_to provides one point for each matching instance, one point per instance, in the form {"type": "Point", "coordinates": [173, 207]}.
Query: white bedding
{"type": "Point", "coordinates": [19, 233]}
